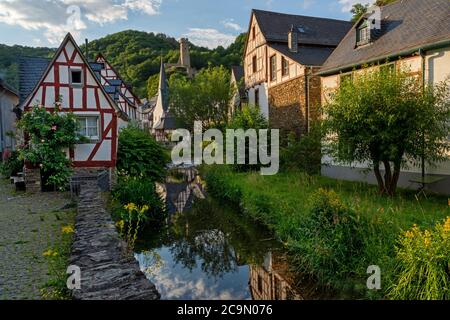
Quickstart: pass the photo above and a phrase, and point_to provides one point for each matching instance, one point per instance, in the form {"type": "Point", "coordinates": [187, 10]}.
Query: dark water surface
{"type": "Point", "coordinates": [208, 250]}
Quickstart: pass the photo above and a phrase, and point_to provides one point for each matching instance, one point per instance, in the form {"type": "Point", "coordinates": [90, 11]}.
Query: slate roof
{"type": "Point", "coordinates": [7, 87]}
{"type": "Point", "coordinates": [306, 55]}
{"type": "Point", "coordinates": [238, 72]}
{"type": "Point", "coordinates": [167, 122]}
{"type": "Point", "coordinates": [406, 25]}
{"type": "Point", "coordinates": [318, 31]}
{"type": "Point", "coordinates": [31, 70]}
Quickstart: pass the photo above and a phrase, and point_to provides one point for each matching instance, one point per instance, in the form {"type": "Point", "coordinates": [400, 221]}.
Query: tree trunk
{"type": "Point", "coordinates": [392, 187]}
{"type": "Point", "coordinates": [379, 177]}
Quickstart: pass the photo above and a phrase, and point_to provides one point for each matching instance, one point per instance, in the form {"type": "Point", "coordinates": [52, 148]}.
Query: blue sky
{"type": "Point", "coordinates": [205, 22]}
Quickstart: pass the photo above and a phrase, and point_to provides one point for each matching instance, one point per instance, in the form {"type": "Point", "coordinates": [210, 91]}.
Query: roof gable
{"type": "Point", "coordinates": [68, 50]}
{"type": "Point", "coordinates": [406, 25]}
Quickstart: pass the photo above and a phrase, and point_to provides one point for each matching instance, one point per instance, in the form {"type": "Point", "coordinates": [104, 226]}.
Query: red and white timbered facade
{"type": "Point", "coordinates": [70, 80]}
{"type": "Point", "coordinates": [126, 99]}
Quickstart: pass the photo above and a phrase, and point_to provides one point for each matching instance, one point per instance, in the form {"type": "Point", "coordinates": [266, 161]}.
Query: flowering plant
{"type": "Point", "coordinates": [50, 134]}
{"type": "Point", "coordinates": [423, 263]}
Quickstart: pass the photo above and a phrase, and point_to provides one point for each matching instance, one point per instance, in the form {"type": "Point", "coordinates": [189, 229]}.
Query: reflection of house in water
{"type": "Point", "coordinates": [179, 197]}
{"type": "Point", "coordinates": [272, 281]}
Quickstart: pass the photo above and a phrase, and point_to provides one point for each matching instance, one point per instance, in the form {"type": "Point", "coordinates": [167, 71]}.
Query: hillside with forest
{"type": "Point", "coordinates": [135, 54]}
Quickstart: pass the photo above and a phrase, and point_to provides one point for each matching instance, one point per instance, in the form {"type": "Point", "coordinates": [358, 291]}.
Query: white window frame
{"type": "Point", "coordinates": [80, 118]}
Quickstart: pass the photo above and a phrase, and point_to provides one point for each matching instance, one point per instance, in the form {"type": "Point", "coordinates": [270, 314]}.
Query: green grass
{"type": "Point", "coordinates": [283, 203]}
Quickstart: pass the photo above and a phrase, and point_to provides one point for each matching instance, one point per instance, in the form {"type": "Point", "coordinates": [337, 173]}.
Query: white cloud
{"type": "Point", "coordinates": [57, 17]}
{"type": "Point", "coordinates": [210, 38]}
{"type": "Point", "coordinates": [307, 4]}
{"type": "Point", "coordinates": [348, 4]}
{"type": "Point", "coordinates": [231, 24]}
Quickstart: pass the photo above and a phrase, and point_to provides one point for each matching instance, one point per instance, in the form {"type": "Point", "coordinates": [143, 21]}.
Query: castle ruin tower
{"type": "Point", "coordinates": [185, 58]}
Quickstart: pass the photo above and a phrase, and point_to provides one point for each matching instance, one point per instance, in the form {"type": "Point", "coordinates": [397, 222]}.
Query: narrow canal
{"type": "Point", "coordinates": [208, 250]}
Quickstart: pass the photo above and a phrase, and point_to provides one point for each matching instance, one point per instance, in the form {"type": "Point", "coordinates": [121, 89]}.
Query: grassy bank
{"type": "Point", "coordinates": [285, 201]}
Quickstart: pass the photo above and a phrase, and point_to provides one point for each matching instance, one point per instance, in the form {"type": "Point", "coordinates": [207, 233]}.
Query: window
{"type": "Point", "coordinates": [254, 33]}
{"type": "Point", "coordinates": [363, 34]}
{"type": "Point", "coordinates": [273, 68]}
{"type": "Point", "coordinates": [256, 97]}
{"type": "Point", "coordinates": [254, 64]}
{"type": "Point", "coordinates": [284, 67]}
{"type": "Point", "coordinates": [346, 77]}
{"type": "Point", "coordinates": [390, 67]}
{"type": "Point", "coordinates": [76, 77]}
{"type": "Point", "coordinates": [88, 127]}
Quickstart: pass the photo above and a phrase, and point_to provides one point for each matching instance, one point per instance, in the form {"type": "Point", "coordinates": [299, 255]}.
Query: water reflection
{"type": "Point", "coordinates": [210, 251]}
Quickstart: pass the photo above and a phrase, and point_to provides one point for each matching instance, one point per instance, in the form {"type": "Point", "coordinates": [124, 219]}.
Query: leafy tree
{"type": "Point", "coordinates": [388, 118]}
{"type": "Point", "coordinates": [205, 98]}
{"type": "Point", "coordinates": [139, 155]}
{"type": "Point", "coordinates": [358, 10]}
{"type": "Point", "coordinates": [152, 85]}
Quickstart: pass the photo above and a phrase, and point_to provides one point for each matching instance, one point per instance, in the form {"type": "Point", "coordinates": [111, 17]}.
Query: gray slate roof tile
{"type": "Point", "coordinates": [406, 25]}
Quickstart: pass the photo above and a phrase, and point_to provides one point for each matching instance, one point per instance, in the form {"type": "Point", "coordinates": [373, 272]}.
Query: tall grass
{"type": "Point", "coordinates": [285, 203]}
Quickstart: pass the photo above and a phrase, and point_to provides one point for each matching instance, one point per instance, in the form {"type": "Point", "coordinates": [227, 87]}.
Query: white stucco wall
{"type": "Point", "coordinates": [263, 98]}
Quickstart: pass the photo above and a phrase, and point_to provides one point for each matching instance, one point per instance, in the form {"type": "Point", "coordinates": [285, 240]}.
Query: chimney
{"type": "Point", "coordinates": [293, 39]}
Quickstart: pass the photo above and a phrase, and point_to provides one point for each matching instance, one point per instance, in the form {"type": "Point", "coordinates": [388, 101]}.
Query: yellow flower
{"type": "Point", "coordinates": [447, 225]}
{"type": "Point", "coordinates": [130, 207]}
{"type": "Point", "coordinates": [144, 209]}
{"type": "Point", "coordinates": [120, 224]}
{"type": "Point", "coordinates": [409, 234]}
{"type": "Point", "coordinates": [48, 253]}
{"type": "Point", "coordinates": [67, 230]}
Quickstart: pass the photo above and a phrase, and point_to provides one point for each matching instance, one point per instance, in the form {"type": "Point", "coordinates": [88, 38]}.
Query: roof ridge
{"type": "Point", "coordinates": [301, 15]}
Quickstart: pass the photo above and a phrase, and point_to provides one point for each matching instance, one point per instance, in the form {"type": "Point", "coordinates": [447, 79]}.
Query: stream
{"type": "Point", "coordinates": [210, 251]}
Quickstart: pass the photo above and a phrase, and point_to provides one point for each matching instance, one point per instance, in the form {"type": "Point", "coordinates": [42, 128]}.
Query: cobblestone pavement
{"type": "Point", "coordinates": [29, 225]}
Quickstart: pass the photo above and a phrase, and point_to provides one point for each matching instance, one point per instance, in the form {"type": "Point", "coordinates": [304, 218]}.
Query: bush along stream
{"type": "Point", "coordinates": [335, 230]}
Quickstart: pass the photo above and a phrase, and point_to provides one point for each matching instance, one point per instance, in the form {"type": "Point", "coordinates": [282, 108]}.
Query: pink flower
{"type": "Point", "coordinates": [54, 128]}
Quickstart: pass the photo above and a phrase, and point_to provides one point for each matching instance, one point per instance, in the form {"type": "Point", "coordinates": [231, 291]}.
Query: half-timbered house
{"type": "Point", "coordinates": [90, 90]}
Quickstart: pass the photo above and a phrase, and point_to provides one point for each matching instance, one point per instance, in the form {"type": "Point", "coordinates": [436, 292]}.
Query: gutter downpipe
{"type": "Point", "coordinates": [438, 45]}
{"type": "Point", "coordinates": [422, 55]}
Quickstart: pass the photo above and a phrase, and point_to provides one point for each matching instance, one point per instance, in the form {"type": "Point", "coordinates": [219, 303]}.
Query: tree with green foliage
{"type": "Point", "coordinates": [389, 118]}
{"type": "Point", "coordinates": [139, 155]}
{"type": "Point", "coordinates": [205, 98]}
{"type": "Point", "coordinates": [358, 9]}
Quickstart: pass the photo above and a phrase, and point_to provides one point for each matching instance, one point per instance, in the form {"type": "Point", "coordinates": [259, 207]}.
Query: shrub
{"type": "Point", "coordinates": [141, 193]}
{"type": "Point", "coordinates": [423, 264]}
{"type": "Point", "coordinates": [329, 240]}
{"type": "Point", "coordinates": [12, 165]}
{"type": "Point", "coordinates": [249, 117]}
{"type": "Point", "coordinates": [140, 155]}
{"type": "Point", "coordinates": [304, 154]}
{"type": "Point", "coordinates": [50, 134]}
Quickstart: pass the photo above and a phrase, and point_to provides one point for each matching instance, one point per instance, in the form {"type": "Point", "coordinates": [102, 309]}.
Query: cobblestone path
{"type": "Point", "coordinates": [29, 225]}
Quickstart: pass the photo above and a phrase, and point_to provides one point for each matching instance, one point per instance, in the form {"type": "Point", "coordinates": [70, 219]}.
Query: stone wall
{"type": "Point", "coordinates": [287, 105]}
{"type": "Point", "coordinates": [108, 272]}
{"type": "Point", "coordinates": [32, 180]}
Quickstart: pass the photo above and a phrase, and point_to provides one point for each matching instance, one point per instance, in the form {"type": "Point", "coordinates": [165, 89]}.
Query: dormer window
{"type": "Point", "coordinates": [363, 33]}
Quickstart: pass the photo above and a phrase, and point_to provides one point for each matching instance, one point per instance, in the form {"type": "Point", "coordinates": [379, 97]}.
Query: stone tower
{"type": "Point", "coordinates": [185, 58]}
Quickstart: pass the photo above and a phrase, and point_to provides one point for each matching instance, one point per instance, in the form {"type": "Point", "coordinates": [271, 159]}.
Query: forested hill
{"type": "Point", "coordinates": [135, 54]}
